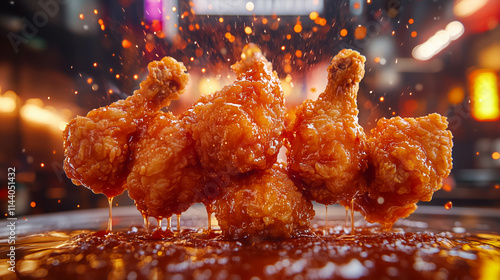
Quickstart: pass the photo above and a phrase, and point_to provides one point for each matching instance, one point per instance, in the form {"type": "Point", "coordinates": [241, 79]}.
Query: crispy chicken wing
{"type": "Point", "coordinates": [240, 127]}
{"type": "Point", "coordinates": [264, 204]}
{"type": "Point", "coordinates": [166, 177]}
{"type": "Point", "coordinates": [327, 145]}
{"type": "Point", "coordinates": [97, 146]}
{"type": "Point", "coordinates": [408, 160]}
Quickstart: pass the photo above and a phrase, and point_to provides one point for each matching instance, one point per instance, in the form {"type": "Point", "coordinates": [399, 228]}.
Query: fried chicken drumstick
{"type": "Point", "coordinates": [408, 160]}
{"type": "Point", "coordinates": [327, 145]}
{"type": "Point", "coordinates": [239, 128]}
{"type": "Point", "coordinates": [166, 177]}
{"type": "Point", "coordinates": [97, 146]}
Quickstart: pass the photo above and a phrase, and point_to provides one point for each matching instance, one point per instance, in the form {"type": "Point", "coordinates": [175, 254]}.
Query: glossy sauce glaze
{"type": "Point", "coordinates": [369, 254]}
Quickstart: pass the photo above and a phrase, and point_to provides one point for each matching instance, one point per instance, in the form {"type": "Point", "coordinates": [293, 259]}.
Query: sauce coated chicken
{"type": "Point", "coordinates": [223, 150]}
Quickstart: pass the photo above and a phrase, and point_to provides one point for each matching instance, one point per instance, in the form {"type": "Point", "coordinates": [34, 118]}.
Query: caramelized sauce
{"type": "Point", "coordinates": [133, 253]}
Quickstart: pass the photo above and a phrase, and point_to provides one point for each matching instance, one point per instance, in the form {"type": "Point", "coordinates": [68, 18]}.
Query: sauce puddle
{"type": "Point", "coordinates": [328, 253]}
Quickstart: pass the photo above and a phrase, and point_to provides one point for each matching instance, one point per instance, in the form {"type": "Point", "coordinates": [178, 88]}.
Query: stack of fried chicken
{"type": "Point", "coordinates": [223, 151]}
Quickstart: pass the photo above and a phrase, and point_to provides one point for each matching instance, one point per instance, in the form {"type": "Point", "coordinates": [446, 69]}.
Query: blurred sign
{"type": "Point", "coordinates": [484, 95]}
{"type": "Point", "coordinates": [257, 7]}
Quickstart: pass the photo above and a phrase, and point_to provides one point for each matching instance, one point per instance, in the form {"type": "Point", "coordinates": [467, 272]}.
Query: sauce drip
{"type": "Point", "coordinates": [209, 215]}
{"type": "Point", "coordinates": [326, 217]}
{"type": "Point", "coordinates": [169, 223]}
{"type": "Point", "coordinates": [110, 220]}
{"type": "Point", "coordinates": [178, 223]}
{"type": "Point", "coordinates": [146, 221]}
{"type": "Point", "coordinates": [448, 205]}
{"type": "Point", "coordinates": [158, 221]}
{"type": "Point", "coordinates": [352, 216]}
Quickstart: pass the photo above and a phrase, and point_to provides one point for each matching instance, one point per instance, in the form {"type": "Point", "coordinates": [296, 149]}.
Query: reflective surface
{"type": "Point", "coordinates": [433, 244]}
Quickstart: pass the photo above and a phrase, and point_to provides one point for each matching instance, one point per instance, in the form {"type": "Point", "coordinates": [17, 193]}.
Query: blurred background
{"type": "Point", "coordinates": [61, 58]}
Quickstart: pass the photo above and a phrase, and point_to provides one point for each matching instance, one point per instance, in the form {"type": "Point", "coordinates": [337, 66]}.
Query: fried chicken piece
{"type": "Point", "coordinates": [326, 144]}
{"type": "Point", "coordinates": [408, 160]}
{"type": "Point", "coordinates": [264, 204]}
{"type": "Point", "coordinates": [97, 147]}
{"type": "Point", "coordinates": [166, 177]}
{"type": "Point", "coordinates": [240, 127]}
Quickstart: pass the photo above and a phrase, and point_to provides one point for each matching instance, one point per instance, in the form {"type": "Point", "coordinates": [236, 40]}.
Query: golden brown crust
{"type": "Point", "coordinates": [97, 147]}
{"type": "Point", "coordinates": [263, 205]}
{"type": "Point", "coordinates": [240, 127]}
{"type": "Point", "coordinates": [327, 145]}
{"type": "Point", "coordinates": [166, 177]}
{"type": "Point", "coordinates": [409, 158]}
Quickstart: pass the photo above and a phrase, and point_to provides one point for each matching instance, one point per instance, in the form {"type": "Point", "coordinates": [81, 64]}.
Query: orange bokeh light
{"type": "Point", "coordinates": [495, 155]}
{"type": "Point", "coordinates": [297, 28]}
{"type": "Point", "coordinates": [313, 15]}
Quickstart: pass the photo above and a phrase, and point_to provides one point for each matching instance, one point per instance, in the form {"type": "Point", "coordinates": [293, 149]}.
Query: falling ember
{"type": "Point", "coordinates": [298, 53]}
{"type": "Point", "coordinates": [248, 30]}
{"type": "Point", "coordinates": [149, 46]}
{"type": "Point", "coordinates": [33, 204]}
{"type": "Point", "coordinates": [376, 59]}
{"type": "Point", "coordinates": [360, 32]}
{"type": "Point", "coordinates": [82, 16]}
{"type": "Point", "coordinates": [447, 187]}
{"type": "Point", "coordinates": [117, 76]}
{"type": "Point", "coordinates": [203, 70]}
{"type": "Point", "coordinates": [382, 99]}
{"type": "Point", "coordinates": [89, 81]}
{"type": "Point", "coordinates": [448, 205]}
{"type": "Point", "coordinates": [495, 155]}
{"type": "Point", "coordinates": [126, 44]}
{"type": "Point", "coordinates": [411, 21]}
{"type": "Point", "coordinates": [95, 11]}
{"type": "Point", "coordinates": [78, 206]}
{"type": "Point", "coordinates": [313, 15]}
{"type": "Point", "coordinates": [58, 201]}
{"type": "Point", "coordinates": [343, 32]}
{"type": "Point", "coordinates": [221, 20]}
{"type": "Point", "coordinates": [414, 34]}
{"type": "Point", "coordinates": [497, 187]}
{"type": "Point", "coordinates": [136, 77]}
{"type": "Point", "coordinates": [297, 28]}
{"type": "Point", "coordinates": [42, 164]}
{"type": "Point", "coordinates": [95, 64]}
{"type": "Point", "coordinates": [264, 21]}
{"type": "Point", "coordinates": [282, 48]}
